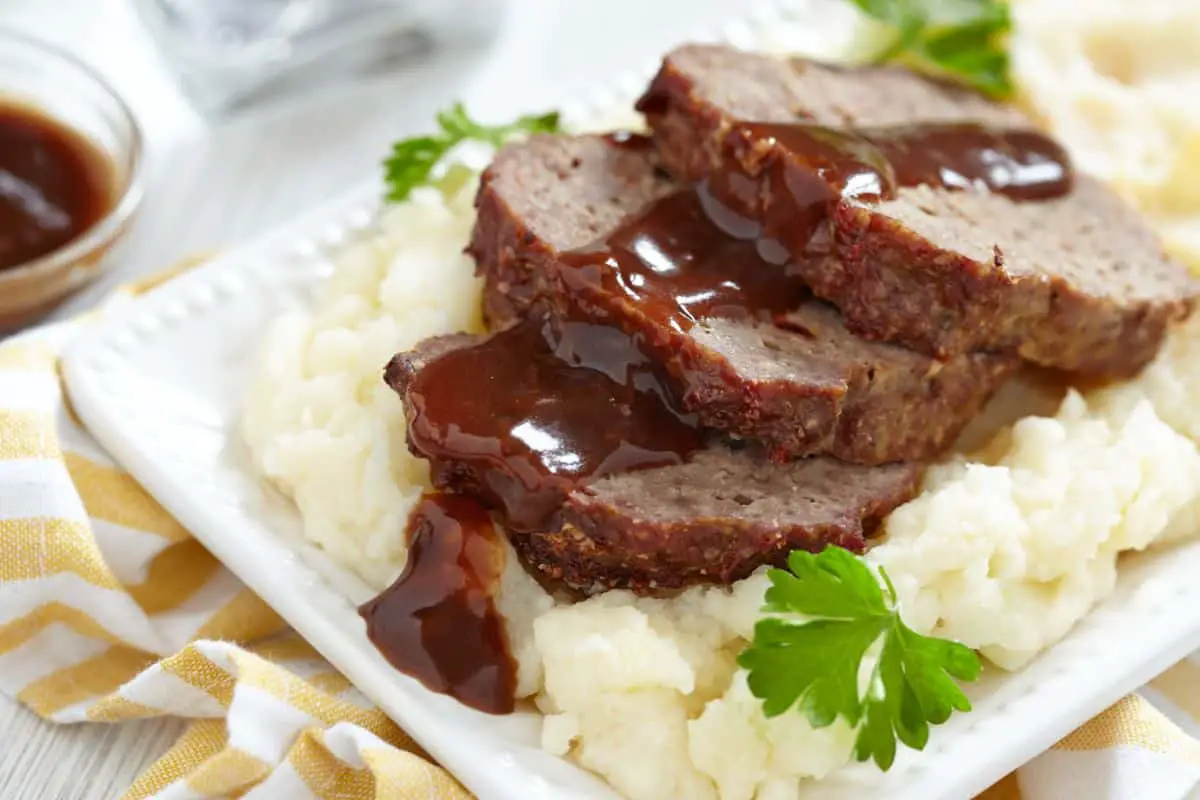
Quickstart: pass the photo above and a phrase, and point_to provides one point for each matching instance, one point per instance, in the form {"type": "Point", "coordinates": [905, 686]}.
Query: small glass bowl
{"type": "Point", "coordinates": [55, 83]}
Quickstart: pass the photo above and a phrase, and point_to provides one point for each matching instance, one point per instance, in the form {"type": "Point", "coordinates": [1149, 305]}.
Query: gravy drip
{"type": "Point", "coordinates": [438, 622]}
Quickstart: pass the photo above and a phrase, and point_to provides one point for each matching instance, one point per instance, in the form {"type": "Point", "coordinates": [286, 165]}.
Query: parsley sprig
{"type": "Point", "coordinates": [964, 40]}
{"type": "Point", "coordinates": [412, 160]}
{"type": "Point", "coordinates": [815, 660]}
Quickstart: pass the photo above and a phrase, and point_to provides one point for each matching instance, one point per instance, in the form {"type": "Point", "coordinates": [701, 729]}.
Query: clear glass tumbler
{"type": "Point", "coordinates": [230, 53]}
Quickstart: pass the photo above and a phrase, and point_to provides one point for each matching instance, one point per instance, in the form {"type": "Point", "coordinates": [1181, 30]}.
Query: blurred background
{"type": "Point", "coordinates": [253, 110]}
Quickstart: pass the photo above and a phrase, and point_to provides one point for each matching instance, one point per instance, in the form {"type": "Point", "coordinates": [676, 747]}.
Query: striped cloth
{"type": "Point", "coordinates": [110, 611]}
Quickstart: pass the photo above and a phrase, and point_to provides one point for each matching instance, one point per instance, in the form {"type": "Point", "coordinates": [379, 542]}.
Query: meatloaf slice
{"type": "Point", "coordinates": [802, 385]}
{"type": "Point", "coordinates": [712, 518]}
{"type": "Point", "coordinates": [1078, 282]}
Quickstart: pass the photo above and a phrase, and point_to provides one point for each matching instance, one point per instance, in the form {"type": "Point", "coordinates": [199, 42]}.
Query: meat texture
{"type": "Point", "coordinates": [1077, 282]}
{"type": "Point", "coordinates": [800, 382]}
{"type": "Point", "coordinates": [714, 519]}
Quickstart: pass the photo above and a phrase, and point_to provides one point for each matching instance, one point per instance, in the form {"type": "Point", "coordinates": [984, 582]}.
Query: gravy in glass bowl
{"type": "Point", "coordinates": [55, 184]}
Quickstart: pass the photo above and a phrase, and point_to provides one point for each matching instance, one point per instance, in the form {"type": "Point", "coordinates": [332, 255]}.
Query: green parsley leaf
{"type": "Point", "coordinates": [964, 40]}
{"type": "Point", "coordinates": [825, 612]}
{"type": "Point", "coordinates": [413, 160]}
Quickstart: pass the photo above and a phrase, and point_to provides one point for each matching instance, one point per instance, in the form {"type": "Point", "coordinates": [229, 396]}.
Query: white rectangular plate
{"type": "Point", "coordinates": [159, 385]}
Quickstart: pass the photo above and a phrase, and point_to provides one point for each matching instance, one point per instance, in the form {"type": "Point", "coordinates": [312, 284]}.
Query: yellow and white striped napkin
{"type": "Point", "coordinates": [110, 611]}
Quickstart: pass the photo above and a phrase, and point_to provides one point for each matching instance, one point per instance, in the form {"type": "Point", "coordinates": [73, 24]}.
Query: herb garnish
{"type": "Point", "coordinates": [815, 661]}
{"type": "Point", "coordinates": [412, 160]}
{"type": "Point", "coordinates": [964, 40]}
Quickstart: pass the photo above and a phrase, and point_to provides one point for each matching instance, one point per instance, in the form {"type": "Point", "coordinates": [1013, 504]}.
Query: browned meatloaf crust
{"type": "Point", "coordinates": [714, 519]}
{"type": "Point", "coordinates": [810, 388]}
{"type": "Point", "coordinates": [1079, 282]}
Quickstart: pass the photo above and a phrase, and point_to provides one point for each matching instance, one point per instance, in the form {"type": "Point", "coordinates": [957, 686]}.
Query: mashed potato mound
{"type": "Point", "coordinates": [1116, 81]}
{"type": "Point", "coordinates": [319, 421]}
{"type": "Point", "coordinates": [1171, 383]}
{"type": "Point", "coordinates": [1005, 555]}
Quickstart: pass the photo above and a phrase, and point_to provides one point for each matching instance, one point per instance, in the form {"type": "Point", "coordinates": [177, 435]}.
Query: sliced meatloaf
{"type": "Point", "coordinates": [714, 519]}
{"type": "Point", "coordinates": [1078, 282]}
{"type": "Point", "coordinates": [795, 379]}
{"type": "Point", "coordinates": [715, 516]}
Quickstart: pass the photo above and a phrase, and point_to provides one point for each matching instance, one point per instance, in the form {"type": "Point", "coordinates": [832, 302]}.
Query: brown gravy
{"type": "Point", "coordinates": [535, 410]}
{"type": "Point", "coordinates": [685, 258]}
{"type": "Point", "coordinates": [628, 140]}
{"type": "Point", "coordinates": [438, 622]}
{"type": "Point", "coordinates": [54, 184]}
{"type": "Point", "coordinates": [871, 164]}
{"type": "Point", "coordinates": [820, 166]}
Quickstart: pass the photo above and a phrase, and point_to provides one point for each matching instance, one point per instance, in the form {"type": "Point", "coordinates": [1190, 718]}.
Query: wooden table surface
{"type": "Point", "coordinates": [216, 184]}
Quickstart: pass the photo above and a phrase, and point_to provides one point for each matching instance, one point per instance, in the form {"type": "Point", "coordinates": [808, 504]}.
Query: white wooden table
{"type": "Point", "coordinates": [214, 186]}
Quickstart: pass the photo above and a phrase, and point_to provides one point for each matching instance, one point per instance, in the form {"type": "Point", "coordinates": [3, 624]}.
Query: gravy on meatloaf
{"type": "Point", "coordinates": [716, 304]}
{"type": "Point", "coordinates": [535, 410]}
{"type": "Point", "coordinates": [1076, 280]}
{"type": "Point", "coordinates": [870, 165]}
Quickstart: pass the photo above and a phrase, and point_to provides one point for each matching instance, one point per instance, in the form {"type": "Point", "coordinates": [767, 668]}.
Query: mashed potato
{"type": "Point", "coordinates": [1117, 81]}
{"type": "Point", "coordinates": [1005, 555]}
{"type": "Point", "coordinates": [1171, 383]}
{"type": "Point", "coordinates": [319, 421]}
{"type": "Point", "coordinates": [1004, 550]}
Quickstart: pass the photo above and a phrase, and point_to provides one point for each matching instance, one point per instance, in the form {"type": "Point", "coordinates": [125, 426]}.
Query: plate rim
{"type": "Point", "coordinates": [339, 646]}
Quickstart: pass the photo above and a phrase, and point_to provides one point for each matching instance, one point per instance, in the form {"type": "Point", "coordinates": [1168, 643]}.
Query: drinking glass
{"type": "Point", "coordinates": [229, 53]}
